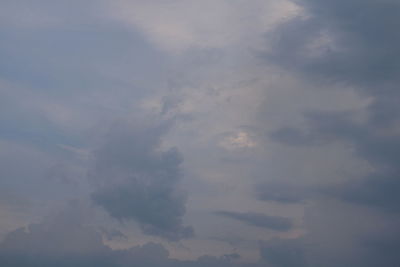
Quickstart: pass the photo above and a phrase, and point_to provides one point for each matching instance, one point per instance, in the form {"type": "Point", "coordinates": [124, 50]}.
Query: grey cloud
{"type": "Point", "coordinates": [284, 253]}
{"type": "Point", "coordinates": [260, 220]}
{"type": "Point", "coordinates": [138, 180]}
{"type": "Point", "coordinates": [66, 240]}
{"type": "Point", "coordinates": [281, 193]}
{"type": "Point", "coordinates": [382, 250]}
{"type": "Point", "coordinates": [359, 236]}
{"type": "Point", "coordinates": [74, 60]}
{"type": "Point", "coordinates": [380, 150]}
{"type": "Point", "coordinates": [369, 141]}
{"type": "Point", "coordinates": [111, 234]}
{"type": "Point", "coordinates": [322, 128]}
{"type": "Point", "coordinates": [379, 190]}
{"type": "Point", "coordinates": [77, 56]}
{"type": "Point", "coordinates": [348, 44]}
{"type": "Point", "coordinates": [367, 57]}
{"type": "Point", "coordinates": [291, 136]}
{"type": "Point", "coordinates": [366, 41]}
{"type": "Point", "coordinates": [58, 242]}
{"type": "Point", "coordinates": [61, 240]}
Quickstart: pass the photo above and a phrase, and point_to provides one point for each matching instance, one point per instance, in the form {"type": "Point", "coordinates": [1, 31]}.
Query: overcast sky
{"type": "Point", "coordinates": [194, 133]}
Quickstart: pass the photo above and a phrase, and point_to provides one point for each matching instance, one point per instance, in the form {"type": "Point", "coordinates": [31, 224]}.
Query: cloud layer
{"type": "Point", "coordinates": [269, 128]}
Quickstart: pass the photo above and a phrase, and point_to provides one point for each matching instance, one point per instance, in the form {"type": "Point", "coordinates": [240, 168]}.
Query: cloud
{"type": "Point", "coordinates": [260, 220]}
{"type": "Point", "coordinates": [66, 239]}
{"type": "Point", "coordinates": [138, 180]}
{"type": "Point", "coordinates": [382, 249]}
{"type": "Point", "coordinates": [363, 47]}
{"type": "Point", "coordinates": [61, 240]}
{"type": "Point", "coordinates": [380, 150]}
{"type": "Point", "coordinates": [366, 57]}
{"type": "Point", "coordinates": [284, 253]}
{"type": "Point", "coordinates": [178, 26]}
{"type": "Point", "coordinates": [379, 190]}
{"type": "Point", "coordinates": [330, 160]}
{"type": "Point", "coordinates": [347, 45]}
{"type": "Point", "coordinates": [281, 193]}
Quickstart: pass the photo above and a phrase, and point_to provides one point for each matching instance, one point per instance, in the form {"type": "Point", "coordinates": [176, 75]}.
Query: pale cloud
{"type": "Point", "coordinates": [177, 26]}
{"type": "Point", "coordinates": [237, 141]}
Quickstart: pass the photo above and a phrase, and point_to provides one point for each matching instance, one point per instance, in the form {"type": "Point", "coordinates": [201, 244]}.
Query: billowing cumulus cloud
{"type": "Point", "coordinates": [137, 179]}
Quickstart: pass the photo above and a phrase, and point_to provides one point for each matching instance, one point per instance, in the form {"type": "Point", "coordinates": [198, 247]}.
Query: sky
{"type": "Point", "coordinates": [257, 133]}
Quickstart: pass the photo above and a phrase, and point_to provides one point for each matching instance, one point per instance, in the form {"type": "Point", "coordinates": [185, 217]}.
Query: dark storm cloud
{"type": "Point", "coordinates": [364, 53]}
{"type": "Point", "coordinates": [365, 47]}
{"type": "Point", "coordinates": [350, 44]}
{"type": "Point", "coordinates": [260, 220]}
{"type": "Point", "coordinates": [138, 180]}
